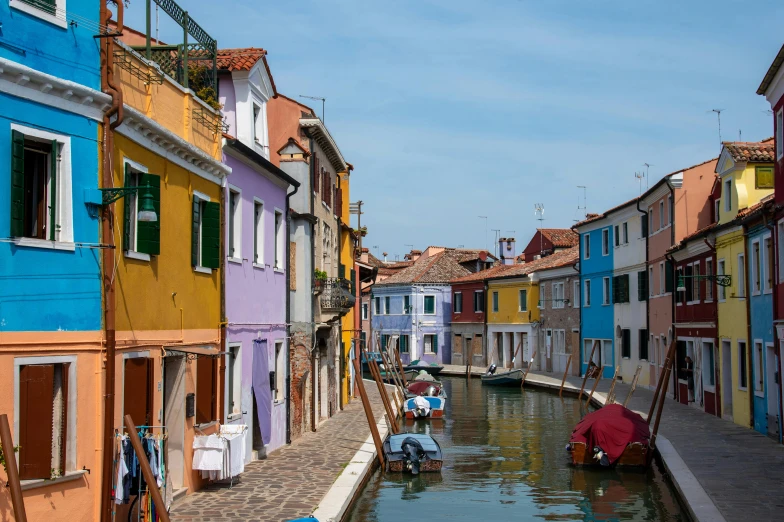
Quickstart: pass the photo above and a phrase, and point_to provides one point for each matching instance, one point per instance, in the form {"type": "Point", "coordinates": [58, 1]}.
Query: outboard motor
{"type": "Point", "coordinates": [491, 369]}
{"type": "Point", "coordinates": [601, 456]}
{"type": "Point", "coordinates": [431, 391]}
{"type": "Point", "coordinates": [413, 451]}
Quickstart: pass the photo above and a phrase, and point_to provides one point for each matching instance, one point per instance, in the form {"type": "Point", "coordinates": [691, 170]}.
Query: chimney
{"type": "Point", "coordinates": [414, 255]}
{"type": "Point", "coordinates": [385, 256]}
{"type": "Point", "coordinates": [506, 250]}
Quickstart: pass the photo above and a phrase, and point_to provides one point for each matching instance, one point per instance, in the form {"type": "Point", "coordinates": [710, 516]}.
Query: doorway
{"type": "Point", "coordinates": [174, 418]}
{"type": "Point", "coordinates": [771, 394]}
{"type": "Point", "coordinates": [725, 379]}
{"type": "Point", "coordinates": [323, 380]}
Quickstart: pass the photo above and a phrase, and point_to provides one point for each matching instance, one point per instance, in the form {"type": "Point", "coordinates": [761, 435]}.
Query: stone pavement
{"type": "Point", "coordinates": [291, 482]}
{"type": "Point", "coordinates": [741, 470]}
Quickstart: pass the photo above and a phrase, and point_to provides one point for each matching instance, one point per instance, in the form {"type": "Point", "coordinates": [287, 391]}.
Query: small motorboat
{"type": "Point", "coordinates": [611, 436]}
{"type": "Point", "coordinates": [376, 356]}
{"type": "Point", "coordinates": [504, 378]}
{"type": "Point", "coordinates": [413, 453]}
{"type": "Point", "coordinates": [425, 388]}
{"type": "Point", "coordinates": [418, 365]}
{"type": "Point", "coordinates": [424, 407]}
{"type": "Point", "coordinates": [388, 377]}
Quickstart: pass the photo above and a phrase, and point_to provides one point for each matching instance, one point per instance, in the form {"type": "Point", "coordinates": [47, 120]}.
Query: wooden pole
{"type": "Point", "coordinates": [595, 384]}
{"type": "Point", "coordinates": [384, 397]}
{"type": "Point", "coordinates": [652, 443]}
{"type": "Point", "coordinates": [661, 386]}
{"type": "Point", "coordinates": [395, 381]}
{"type": "Point", "coordinates": [611, 394]}
{"type": "Point", "coordinates": [397, 371]}
{"type": "Point", "coordinates": [633, 386]}
{"type": "Point", "coordinates": [525, 375]}
{"type": "Point", "coordinates": [585, 378]}
{"type": "Point", "coordinates": [157, 499]}
{"type": "Point", "coordinates": [400, 364]}
{"type": "Point", "coordinates": [511, 364]}
{"type": "Point", "coordinates": [566, 372]}
{"type": "Point", "coordinates": [12, 470]}
{"type": "Point", "coordinates": [369, 414]}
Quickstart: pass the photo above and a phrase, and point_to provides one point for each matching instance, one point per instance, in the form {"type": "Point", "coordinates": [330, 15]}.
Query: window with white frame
{"type": "Point", "coordinates": [558, 295]}
{"type": "Point", "coordinates": [364, 311]}
{"type": "Point", "coordinates": [587, 293]}
{"type": "Point", "coordinates": [720, 271]}
{"type": "Point", "coordinates": [575, 294]}
{"type": "Point", "coordinates": [377, 306]}
{"type": "Point", "coordinates": [280, 372]}
{"type": "Point", "coordinates": [617, 235]}
{"type": "Point", "coordinates": [522, 300]}
{"type": "Point", "coordinates": [605, 241]}
{"type": "Point", "coordinates": [650, 282]}
{"type": "Point", "coordinates": [716, 207]}
{"type": "Point", "coordinates": [741, 282]}
{"type": "Point", "coordinates": [259, 130]}
{"type": "Point", "coordinates": [726, 195]}
{"type": "Point", "coordinates": [479, 301]}
{"type": "Point", "coordinates": [279, 238]}
{"type": "Point", "coordinates": [670, 210]}
{"type": "Point", "coordinates": [431, 343]}
{"type": "Point", "coordinates": [650, 220]}
{"type": "Point", "coordinates": [695, 282]}
{"type": "Point", "coordinates": [52, 11]}
{"type": "Point", "coordinates": [756, 277]}
{"type": "Point", "coordinates": [779, 134]}
{"type": "Point", "coordinates": [606, 291]}
{"type": "Point", "coordinates": [662, 277]}
{"type": "Point", "coordinates": [743, 372]}
{"type": "Point", "coordinates": [625, 228]}
{"type": "Point", "coordinates": [587, 246]}
{"type": "Point", "coordinates": [387, 303]}
{"type": "Point", "coordinates": [430, 305]}
{"type": "Point", "coordinates": [542, 296]}
{"type": "Point", "coordinates": [235, 224]}
{"type": "Point", "coordinates": [206, 240]}
{"type": "Point", "coordinates": [458, 303]}
{"type": "Point", "coordinates": [234, 378]}
{"type": "Point", "coordinates": [258, 232]}
{"type": "Point", "coordinates": [140, 239]}
{"type": "Point", "coordinates": [407, 304]}
{"type": "Point", "coordinates": [661, 214]}
{"type": "Point", "coordinates": [767, 280]}
{"type": "Point", "coordinates": [495, 301]}
{"type": "Point", "coordinates": [759, 376]}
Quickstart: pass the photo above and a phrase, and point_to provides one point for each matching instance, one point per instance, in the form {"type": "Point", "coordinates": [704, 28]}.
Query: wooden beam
{"type": "Point", "coordinates": [566, 372]}
{"type": "Point", "coordinates": [611, 394]}
{"type": "Point", "coordinates": [633, 386]}
{"type": "Point", "coordinates": [369, 414]}
{"type": "Point", "coordinates": [152, 486]}
{"type": "Point", "coordinates": [525, 375]}
{"type": "Point", "coordinates": [384, 397]}
{"type": "Point", "coordinates": [661, 387]}
{"type": "Point", "coordinates": [585, 378]}
{"type": "Point", "coordinates": [595, 384]}
{"type": "Point", "coordinates": [12, 470]}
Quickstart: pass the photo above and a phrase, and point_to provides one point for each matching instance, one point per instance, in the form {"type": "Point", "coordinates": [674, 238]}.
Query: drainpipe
{"type": "Point", "coordinates": [313, 175]}
{"type": "Point", "coordinates": [776, 347]}
{"type": "Point", "coordinates": [108, 254]}
{"type": "Point", "coordinates": [673, 300]}
{"type": "Point", "coordinates": [749, 341]}
{"type": "Point", "coordinates": [288, 315]}
{"type": "Point", "coordinates": [223, 318]}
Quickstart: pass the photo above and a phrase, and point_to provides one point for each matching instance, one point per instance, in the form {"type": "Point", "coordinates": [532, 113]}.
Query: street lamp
{"type": "Point", "coordinates": [146, 212]}
{"type": "Point", "coordinates": [721, 280]}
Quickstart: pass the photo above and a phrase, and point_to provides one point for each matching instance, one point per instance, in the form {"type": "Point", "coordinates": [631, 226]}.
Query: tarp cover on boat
{"type": "Point", "coordinates": [612, 428]}
{"type": "Point", "coordinates": [419, 387]}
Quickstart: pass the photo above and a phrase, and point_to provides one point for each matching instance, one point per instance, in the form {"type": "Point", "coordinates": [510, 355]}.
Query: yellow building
{"type": "Point", "coordinates": [347, 252]}
{"type": "Point", "coordinates": [167, 273]}
{"type": "Point", "coordinates": [743, 182]}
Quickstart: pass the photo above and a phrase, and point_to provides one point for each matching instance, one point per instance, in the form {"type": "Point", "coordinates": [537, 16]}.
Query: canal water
{"type": "Point", "coordinates": [505, 459]}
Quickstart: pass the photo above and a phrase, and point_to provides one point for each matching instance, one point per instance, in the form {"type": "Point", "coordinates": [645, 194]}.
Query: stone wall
{"type": "Point", "coordinates": [301, 382]}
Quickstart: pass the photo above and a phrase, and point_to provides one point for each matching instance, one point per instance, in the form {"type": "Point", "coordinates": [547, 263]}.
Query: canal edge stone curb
{"type": "Point", "coordinates": [341, 495]}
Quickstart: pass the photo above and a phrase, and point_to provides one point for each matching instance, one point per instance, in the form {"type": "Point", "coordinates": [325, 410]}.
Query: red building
{"type": "Point", "coordinates": [548, 241]}
{"type": "Point", "coordinates": [696, 322]}
{"type": "Point", "coordinates": [468, 323]}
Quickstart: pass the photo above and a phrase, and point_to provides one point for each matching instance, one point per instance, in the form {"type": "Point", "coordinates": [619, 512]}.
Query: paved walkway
{"type": "Point", "coordinates": [741, 470]}
{"type": "Point", "coordinates": [291, 482]}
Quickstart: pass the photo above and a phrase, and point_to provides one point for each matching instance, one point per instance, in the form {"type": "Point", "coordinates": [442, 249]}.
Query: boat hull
{"type": "Point", "coordinates": [634, 456]}
{"type": "Point", "coordinates": [508, 378]}
{"type": "Point", "coordinates": [396, 459]}
{"type": "Point", "coordinates": [437, 405]}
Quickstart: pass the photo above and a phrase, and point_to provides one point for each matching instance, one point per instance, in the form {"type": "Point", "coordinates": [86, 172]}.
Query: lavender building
{"type": "Point", "coordinates": [256, 206]}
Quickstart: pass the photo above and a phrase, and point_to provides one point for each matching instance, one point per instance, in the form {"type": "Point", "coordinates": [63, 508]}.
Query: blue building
{"type": "Point", "coordinates": [415, 304]}
{"type": "Point", "coordinates": [764, 362]}
{"type": "Point", "coordinates": [50, 273]}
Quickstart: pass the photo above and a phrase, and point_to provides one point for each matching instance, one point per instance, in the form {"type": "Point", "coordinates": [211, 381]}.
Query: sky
{"type": "Point", "coordinates": [451, 110]}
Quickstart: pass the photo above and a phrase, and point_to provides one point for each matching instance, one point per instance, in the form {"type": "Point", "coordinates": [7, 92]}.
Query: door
{"type": "Point", "coordinates": [574, 366]}
{"type": "Point", "coordinates": [725, 374]}
{"type": "Point", "coordinates": [137, 395]}
{"type": "Point", "coordinates": [323, 384]}
{"type": "Point", "coordinates": [548, 351]}
{"type": "Point", "coordinates": [771, 393]}
{"type": "Point", "coordinates": [174, 418]}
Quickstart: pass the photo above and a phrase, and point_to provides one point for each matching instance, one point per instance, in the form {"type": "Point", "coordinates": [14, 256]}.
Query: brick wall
{"type": "Point", "coordinates": [301, 394]}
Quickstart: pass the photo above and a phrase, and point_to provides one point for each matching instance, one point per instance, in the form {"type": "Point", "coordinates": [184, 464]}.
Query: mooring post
{"type": "Point", "coordinates": [611, 394]}
{"type": "Point", "coordinates": [152, 487]}
{"type": "Point", "coordinates": [566, 372]}
{"type": "Point", "coordinates": [661, 387]}
{"type": "Point", "coordinates": [633, 386]}
{"type": "Point", "coordinates": [595, 384]}
{"type": "Point", "coordinates": [12, 470]}
{"type": "Point", "coordinates": [384, 397]}
{"type": "Point", "coordinates": [369, 413]}
{"type": "Point", "coordinates": [585, 378]}
{"type": "Point", "coordinates": [525, 375]}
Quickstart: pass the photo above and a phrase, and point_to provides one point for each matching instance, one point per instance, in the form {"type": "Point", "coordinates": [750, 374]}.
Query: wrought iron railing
{"type": "Point", "coordinates": [336, 294]}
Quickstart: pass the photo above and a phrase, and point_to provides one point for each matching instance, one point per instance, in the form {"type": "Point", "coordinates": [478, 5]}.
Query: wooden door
{"type": "Point", "coordinates": [137, 395]}
{"type": "Point", "coordinates": [36, 389]}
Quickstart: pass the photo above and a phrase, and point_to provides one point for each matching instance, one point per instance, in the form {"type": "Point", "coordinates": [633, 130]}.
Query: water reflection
{"type": "Point", "coordinates": [504, 459]}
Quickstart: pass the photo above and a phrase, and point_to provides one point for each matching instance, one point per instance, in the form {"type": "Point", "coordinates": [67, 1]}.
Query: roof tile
{"type": "Point", "coordinates": [751, 151]}
{"type": "Point", "coordinates": [557, 260]}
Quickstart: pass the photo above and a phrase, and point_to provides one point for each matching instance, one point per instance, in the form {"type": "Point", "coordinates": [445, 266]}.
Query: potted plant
{"type": "Point", "coordinates": [319, 277]}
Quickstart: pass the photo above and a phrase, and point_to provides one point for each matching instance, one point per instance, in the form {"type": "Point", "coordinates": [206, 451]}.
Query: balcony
{"type": "Point", "coordinates": [335, 295]}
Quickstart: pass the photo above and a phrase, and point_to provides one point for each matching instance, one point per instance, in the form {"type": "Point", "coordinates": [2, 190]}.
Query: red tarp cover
{"type": "Point", "coordinates": [612, 428]}
{"type": "Point", "coordinates": [419, 387]}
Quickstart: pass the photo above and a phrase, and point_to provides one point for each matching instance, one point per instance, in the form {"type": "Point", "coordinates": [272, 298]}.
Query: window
{"type": "Point", "coordinates": [650, 281]}
{"type": "Point", "coordinates": [662, 278]}
{"type": "Point", "coordinates": [431, 343]}
{"type": "Point", "coordinates": [386, 305]}
{"type": "Point", "coordinates": [621, 288]}
{"type": "Point", "coordinates": [280, 372]}
{"type": "Point", "coordinates": [235, 222]}
{"type": "Point", "coordinates": [587, 293]}
{"type": "Point", "coordinates": [141, 239]}
{"type": "Point", "coordinates": [606, 291]}
{"type": "Point", "coordinates": [542, 296]}
{"type": "Point", "coordinates": [407, 304]}
{"type": "Point", "coordinates": [709, 282]}
{"type": "Point", "coordinates": [259, 130]}
{"type": "Point", "coordinates": [720, 271]}
{"type": "Point", "coordinates": [52, 11]}
{"type": "Point", "coordinates": [522, 300]}
{"type": "Point", "coordinates": [587, 246]}
{"type": "Point", "coordinates": [575, 294]}
{"type": "Point", "coordinates": [458, 306]}
{"type": "Point", "coordinates": [763, 177]}
{"type": "Point", "coordinates": [364, 311]}
{"type": "Point", "coordinates": [258, 232]}
{"type": "Point", "coordinates": [256, 119]}
{"type": "Point", "coordinates": [206, 387]}
{"type": "Point", "coordinates": [716, 207]}
{"type": "Point", "coordinates": [727, 195]}
{"type": "Point", "coordinates": [779, 134]}
{"type": "Point", "coordinates": [688, 282]}
{"type": "Point", "coordinates": [768, 265]}
{"type": "Point", "coordinates": [644, 226]}
{"type": "Point", "coordinates": [44, 411]}
{"type": "Point", "coordinates": [384, 341]}
{"type": "Point", "coordinates": [759, 377]}
{"type": "Point", "coordinates": [780, 245]}
{"type": "Point", "coordinates": [279, 238]}
{"type": "Point", "coordinates": [743, 373]}
{"type": "Point", "coordinates": [642, 285]}
{"type": "Point", "coordinates": [625, 228]}
{"type": "Point", "coordinates": [626, 343]}
{"type": "Point", "coordinates": [205, 244]}
{"type": "Point", "coordinates": [605, 241]}
{"type": "Point", "coordinates": [755, 268]}
{"type": "Point", "coordinates": [617, 236]}
{"type": "Point", "coordinates": [234, 378]}
{"type": "Point", "coordinates": [495, 301]}
{"type": "Point", "coordinates": [661, 215]}
{"type": "Point", "coordinates": [670, 210]}
{"type": "Point", "coordinates": [430, 305]}
{"type": "Point", "coordinates": [479, 301]}
{"type": "Point", "coordinates": [404, 344]}
{"type": "Point", "coordinates": [650, 220]}
{"type": "Point", "coordinates": [709, 373]}
{"type": "Point", "coordinates": [377, 307]}
{"type": "Point", "coordinates": [741, 282]}
{"type": "Point", "coordinates": [695, 282]}
{"type": "Point", "coordinates": [558, 295]}
{"type": "Point", "coordinates": [643, 348]}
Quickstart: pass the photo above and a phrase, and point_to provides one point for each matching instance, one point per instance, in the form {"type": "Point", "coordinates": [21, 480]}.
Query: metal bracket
{"type": "Point", "coordinates": [209, 120]}
{"type": "Point", "coordinates": [110, 195]}
{"type": "Point", "coordinates": [125, 60]}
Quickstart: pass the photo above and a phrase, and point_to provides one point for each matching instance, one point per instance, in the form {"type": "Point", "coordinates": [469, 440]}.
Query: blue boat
{"type": "Point", "coordinates": [437, 405]}
{"type": "Point", "coordinates": [413, 453]}
{"type": "Point", "coordinates": [507, 378]}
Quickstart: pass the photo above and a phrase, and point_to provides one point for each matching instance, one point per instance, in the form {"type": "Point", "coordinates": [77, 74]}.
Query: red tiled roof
{"type": "Point", "coordinates": [751, 150]}
{"type": "Point", "coordinates": [557, 260]}
{"type": "Point", "coordinates": [438, 268]}
{"type": "Point", "coordinates": [745, 212]}
{"type": "Point", "coordinates": [244, 59]}
{"type": "Point", "coordinates": [560, 237]}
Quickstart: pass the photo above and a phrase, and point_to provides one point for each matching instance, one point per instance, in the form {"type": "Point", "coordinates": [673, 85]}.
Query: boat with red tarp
{"type": "Point", "coordinates": [611, 436]}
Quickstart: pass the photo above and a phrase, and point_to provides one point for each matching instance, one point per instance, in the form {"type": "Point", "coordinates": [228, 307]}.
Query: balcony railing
{"type": "Point", "coordinates": [336, 294]}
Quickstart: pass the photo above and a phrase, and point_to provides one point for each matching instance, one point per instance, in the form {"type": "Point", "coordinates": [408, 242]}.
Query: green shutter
{"type": "Point", "coordinates": [435, 344]}
{"type": "Point", "coordinates": [642, 285]}
{"type": "Point", "coordinates": [353, 282]}
{"type": "Point", "coordinates": [195, 220]}
{"type": "Point", "coordinates": [127, 211]}
{"type": "Point", "coordinates": [17, 184]}
{"type": "Point", "coordinates": [668, 276]}
{"type": "Point", "coordinates": [210, 235]}
{"type": "Point", "coordinates": [148, 234]}
{"type": "Point", "coordinates": [53, 190]}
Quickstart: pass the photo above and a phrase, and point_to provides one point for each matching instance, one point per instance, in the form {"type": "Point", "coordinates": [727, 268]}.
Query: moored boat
{"type": "Point", "coordinates": [611, 436]}
{"type": "Point", "coordinates": [506, 378]}
{"type": "Point", "coordinates": [412, 452]}
{"type": "Point", "coordinates": [415, 388]}
{"type": "Point", "coordinates": [424, 407]}
{"type": "Point", "coordinates": [418, 364]}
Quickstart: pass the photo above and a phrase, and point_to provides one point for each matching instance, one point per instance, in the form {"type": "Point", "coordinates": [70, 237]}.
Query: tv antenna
{"type": "Point", "coordinates": [584, 207]}
{"type": "Point", "coordinates": [539, 212]}
{"type": "Point", "coordinates": [718, 116]}
{"type": "Point", "coordinates": [497, 236]}
{"type": "Point", "coordinates": [647, 168]}
{"type": "Point", "coordinates": [639, 176]}
{"type": "Point", "coordinates": [318, 98]}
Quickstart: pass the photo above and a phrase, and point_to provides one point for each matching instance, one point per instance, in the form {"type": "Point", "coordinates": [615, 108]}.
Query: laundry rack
{"type": "Point", "coordinates": [142, 500]}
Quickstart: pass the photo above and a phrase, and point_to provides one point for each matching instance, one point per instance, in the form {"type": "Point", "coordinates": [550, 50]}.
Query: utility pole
{"type": "Point", "coordinates": [718, 116]}
{"type": "Point", "coordinates": [323, 100]}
